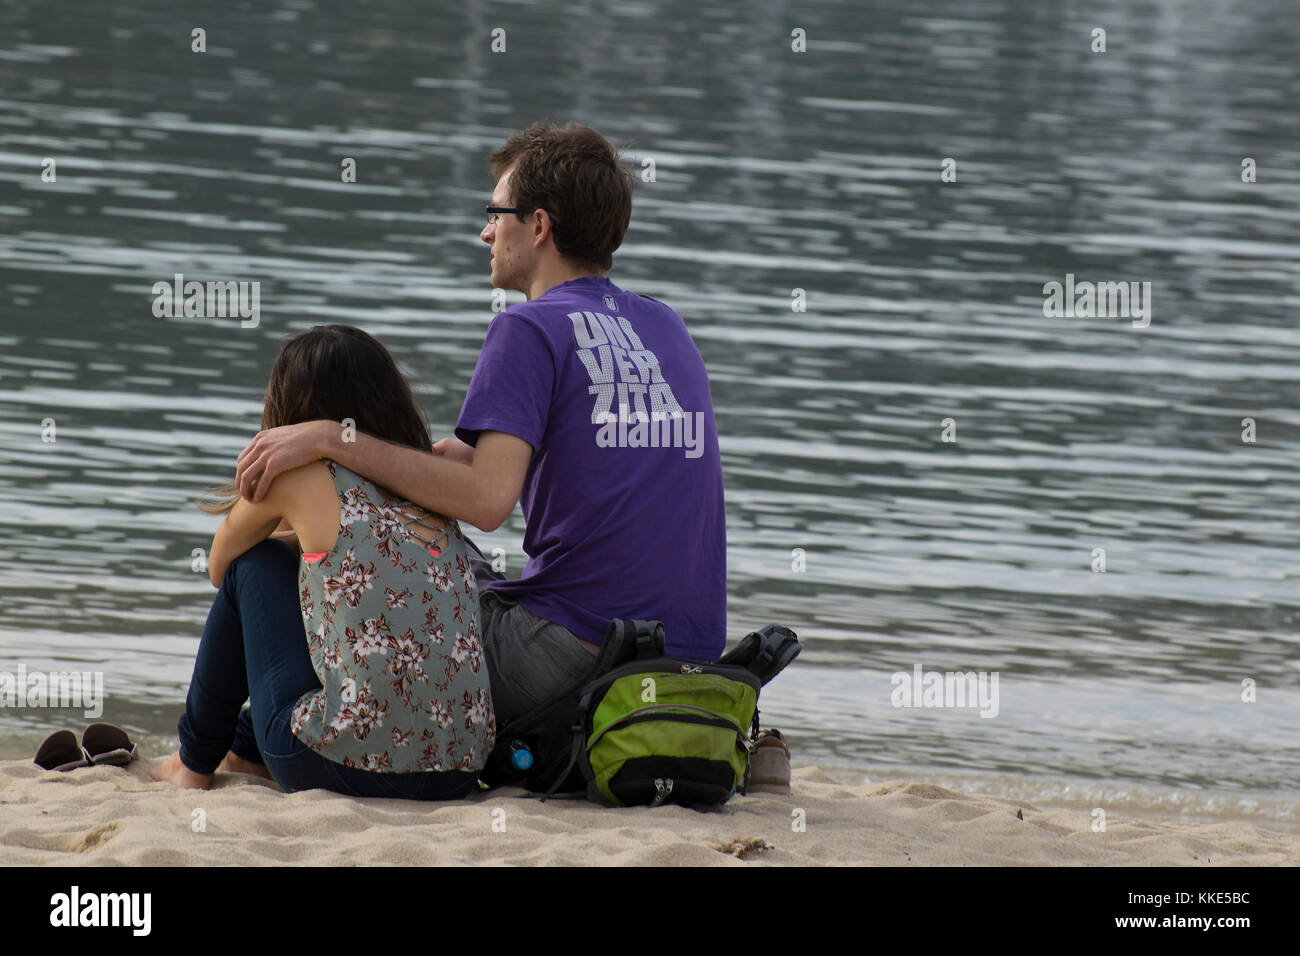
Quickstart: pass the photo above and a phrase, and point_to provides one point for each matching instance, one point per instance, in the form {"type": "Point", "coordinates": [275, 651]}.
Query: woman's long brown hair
{"type": "Point", "coordinates": [336, 372]}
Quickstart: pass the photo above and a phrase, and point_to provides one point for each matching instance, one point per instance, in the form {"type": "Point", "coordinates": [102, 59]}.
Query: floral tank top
{"type": "Point", "coordinates": [392, 627]}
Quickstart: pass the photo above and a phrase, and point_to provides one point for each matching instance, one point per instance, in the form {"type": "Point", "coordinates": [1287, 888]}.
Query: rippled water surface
{"type": "Point", "coordinates": [774, 171]}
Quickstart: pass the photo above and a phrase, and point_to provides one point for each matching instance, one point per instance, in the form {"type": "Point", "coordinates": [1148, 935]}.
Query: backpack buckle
{"type": "Point", "coordinates": [649, 639]}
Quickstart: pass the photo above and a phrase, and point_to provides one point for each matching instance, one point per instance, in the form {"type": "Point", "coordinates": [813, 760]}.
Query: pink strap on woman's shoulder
{"type": "Point", "coordinates": [314, 556]}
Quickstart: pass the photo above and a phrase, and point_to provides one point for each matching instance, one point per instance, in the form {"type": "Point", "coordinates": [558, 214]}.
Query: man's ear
{"type": "Point", "coordinates": [542, 226]}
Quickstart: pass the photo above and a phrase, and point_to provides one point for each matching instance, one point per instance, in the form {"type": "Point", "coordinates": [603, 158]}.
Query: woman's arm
{"type": "Point", "coordinates": [285, 532]}
{"type": "Point", "coordinates": [482, 489]}
{"type": "Point", "coordinates": [246, 525]}
{"type": "Point", "coordinates": [288, 502]}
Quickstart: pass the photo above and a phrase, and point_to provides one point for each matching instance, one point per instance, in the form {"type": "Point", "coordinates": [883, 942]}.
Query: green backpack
{"type": "Point", "coordinates": [643, 728]}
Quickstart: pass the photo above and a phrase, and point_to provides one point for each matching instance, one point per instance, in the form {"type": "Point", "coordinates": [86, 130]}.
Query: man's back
{"type": "Point", "coordinates": [623, 497]}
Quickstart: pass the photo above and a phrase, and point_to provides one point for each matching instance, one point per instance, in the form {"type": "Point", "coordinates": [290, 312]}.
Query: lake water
{"type": "Point", "coordinates": [774, 170]}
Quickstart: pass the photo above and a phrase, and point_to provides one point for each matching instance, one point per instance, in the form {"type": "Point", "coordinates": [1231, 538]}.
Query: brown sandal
{"type": "Point", "coordinates": [61, 752]}
{"type": "Point", "coordinates": [106, 745]}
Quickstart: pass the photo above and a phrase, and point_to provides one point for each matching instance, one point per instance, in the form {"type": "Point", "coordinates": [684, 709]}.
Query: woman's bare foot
{"type": "Point", "coordinates": [237, 764]}
{"type": "Point", "coordinates": [173, 771]}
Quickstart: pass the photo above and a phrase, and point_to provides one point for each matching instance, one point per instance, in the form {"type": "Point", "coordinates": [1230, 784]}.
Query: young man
{"type": "Point", "coordinates": [590, 406]}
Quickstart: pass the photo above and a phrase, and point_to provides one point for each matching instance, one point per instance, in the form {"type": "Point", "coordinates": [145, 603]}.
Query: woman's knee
{"type": "Point", "coordinates": [267, 557]}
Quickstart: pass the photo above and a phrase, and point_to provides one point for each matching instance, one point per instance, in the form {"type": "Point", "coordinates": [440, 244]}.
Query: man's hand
{"type": "Point", "coordinates": [278, 450]}
{"type": "Point", "coordinates": [455, 450]}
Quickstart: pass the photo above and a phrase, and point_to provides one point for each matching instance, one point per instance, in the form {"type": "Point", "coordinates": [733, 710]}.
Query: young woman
{"type": "Point", "coordinates": [385, 691]}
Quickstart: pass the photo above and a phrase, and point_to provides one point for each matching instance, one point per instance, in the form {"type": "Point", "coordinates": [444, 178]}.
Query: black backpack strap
{"type": "Point", "coordinates": [555, 714]}
{"type": "Point", "coordinates": [649, 638]}
{"type": "Point", "coordinates": [578, 731]}
{"type": "Point", "coordinates": [765, 652]}
{"type": "Point", "coordinates": [624, 641]}
{"type": "Point", "coordinates": [619, 648]}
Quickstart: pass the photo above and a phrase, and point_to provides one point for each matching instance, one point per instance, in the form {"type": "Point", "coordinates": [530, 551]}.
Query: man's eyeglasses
{"type": "Point", "coordinates": [494, 212]}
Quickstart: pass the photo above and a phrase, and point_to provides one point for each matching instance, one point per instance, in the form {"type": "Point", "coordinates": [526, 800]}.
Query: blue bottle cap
{"type": "Point", "coordinates": [521, 758]}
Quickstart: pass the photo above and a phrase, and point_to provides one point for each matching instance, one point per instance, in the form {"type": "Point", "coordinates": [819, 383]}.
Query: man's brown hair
{"type": "Point", "coordinates": [574, 174]}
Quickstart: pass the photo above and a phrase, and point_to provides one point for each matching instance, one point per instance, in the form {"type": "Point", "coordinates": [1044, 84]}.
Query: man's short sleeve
{"type": "Point", "coordinates": [512, 385]}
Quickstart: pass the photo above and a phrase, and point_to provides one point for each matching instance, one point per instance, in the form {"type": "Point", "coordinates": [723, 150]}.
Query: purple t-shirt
{"type": "Point", "coordinates": [623, 512]}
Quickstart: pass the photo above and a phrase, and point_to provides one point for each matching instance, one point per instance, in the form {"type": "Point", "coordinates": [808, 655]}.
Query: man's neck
{"type": "Point", "coordinates": [547, 279]}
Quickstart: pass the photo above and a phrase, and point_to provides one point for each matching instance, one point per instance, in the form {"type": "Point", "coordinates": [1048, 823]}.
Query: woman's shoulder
{"type": "Point", "coordinates": [347, 480]}
{"type": "Point", "coordinates": [296, 480]}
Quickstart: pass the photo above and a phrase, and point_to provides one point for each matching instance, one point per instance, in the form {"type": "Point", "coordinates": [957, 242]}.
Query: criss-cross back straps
{"type": "Point", "coordinates": [437, 537]}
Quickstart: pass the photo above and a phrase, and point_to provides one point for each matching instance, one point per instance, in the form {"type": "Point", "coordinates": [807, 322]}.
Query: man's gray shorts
{"type": "Point", "coordinates": [529, 658]}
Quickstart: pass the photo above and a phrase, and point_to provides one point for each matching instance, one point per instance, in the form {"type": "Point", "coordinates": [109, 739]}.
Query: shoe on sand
{"type": "Point", "coordinates": [106, 745]}
{"type": "Point", "coordinates": [769, 765]}
{"type": "Point", "coordinates": [61, 752]}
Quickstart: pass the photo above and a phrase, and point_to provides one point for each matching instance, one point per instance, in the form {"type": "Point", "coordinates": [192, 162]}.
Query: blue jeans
{"type": "Point", "coordinates": [254, 649]}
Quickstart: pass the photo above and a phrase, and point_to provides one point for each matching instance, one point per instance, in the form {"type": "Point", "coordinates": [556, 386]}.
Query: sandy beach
{"type": "Point", "coordinates": [115, 816]}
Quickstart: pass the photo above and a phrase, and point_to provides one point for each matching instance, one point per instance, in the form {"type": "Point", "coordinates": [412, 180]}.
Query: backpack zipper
{"type": "Point", "coordinates": [711, 718]}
